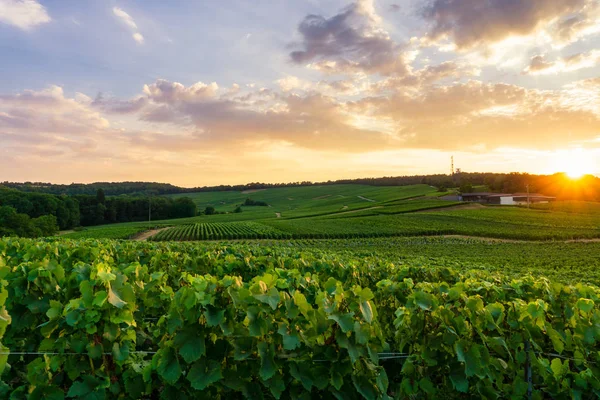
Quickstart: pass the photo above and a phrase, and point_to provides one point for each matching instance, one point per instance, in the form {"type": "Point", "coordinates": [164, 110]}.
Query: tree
{"type": "Point", "coordinates": [466, 188]}
{"type": "Point", "coordinates": [183, 207]}
{"type": "Point", "coordinates": [210, 210]}
{"type": "Point", "coordinates": [238, 209]}
{"type": "Point", "coordinates": [13, 223]}
{"type": "Point", "coordinates": [46, 224]}
{"type": "Point", "coordinates": [100, 196]}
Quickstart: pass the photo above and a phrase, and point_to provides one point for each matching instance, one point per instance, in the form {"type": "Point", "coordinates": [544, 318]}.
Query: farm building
{"type": "Point", "coordinates": [478, 197]}
{"type": "Point", "coordinates": [506, 198]}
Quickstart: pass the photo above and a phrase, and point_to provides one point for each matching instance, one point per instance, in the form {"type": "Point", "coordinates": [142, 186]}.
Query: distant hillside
{"type": "Point", "coordinates": [558, 185]}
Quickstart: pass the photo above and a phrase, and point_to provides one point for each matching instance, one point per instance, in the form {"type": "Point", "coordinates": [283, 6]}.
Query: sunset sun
{"type": "Point", "coordinates": [575, 163]}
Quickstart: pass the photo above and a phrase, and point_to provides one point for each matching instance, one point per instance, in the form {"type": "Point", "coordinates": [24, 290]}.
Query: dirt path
{"type": "Point", "coordinates": [148, 234]}
{"type": "Point", "coordinates": [364, 198]}
{"type": "Point", "coordinates": [252, 191]}
{"type": "Point", "coordinates": [65, 232]}
{"type": "Point", "coordinates": [355, 211]}
{"type": "Point", "coordinates": [278, 215]}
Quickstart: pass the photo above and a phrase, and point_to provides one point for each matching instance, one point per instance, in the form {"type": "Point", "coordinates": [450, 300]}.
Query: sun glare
{"type": "Point", "coordinates": [575, 163]}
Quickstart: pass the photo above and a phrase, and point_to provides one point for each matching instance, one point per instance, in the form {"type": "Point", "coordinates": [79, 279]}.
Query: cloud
{"type": "Point", "coordinates": [574, 27]}
{"type": "Point", "coordinates": [350, 41]}
{"type": "Point", "coordinates": [170, 125]}
{"type": "Point", "coordinates": [24, 14]}
{"type": "Point", "coordinates": [45, 123]}
{"type": "Point", "coordinates": [127, 20]}
{"type": "Point", "coordinates": [311, 120]}
{"type": "Point", "coordinates": [163, 91]}
{"type": "Point", "coordinates": [138, 38]}
{"type": "Point", "coordinates": [487, 115]}
{"type": "Point", "coordinates": [117, 106]}
{"type": "Point", "coordinates": [426, 76]}
{"type": "Point", "coordinates": [472, 23]}
{"type": "Point", "coordinates": [290, 83]}
{"type": "Point", "coordinates": [540, 66]}
{"type": "Point", "coordinates": [48, 111]}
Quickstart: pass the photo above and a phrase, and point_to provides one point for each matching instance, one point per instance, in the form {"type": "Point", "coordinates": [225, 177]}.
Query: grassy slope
{"type": "Point", "coordinates": [337, 211]}
{"type": "Point", "coordinates": [305, 201]}
{"type": "Point", "coordinates": [311, 200]}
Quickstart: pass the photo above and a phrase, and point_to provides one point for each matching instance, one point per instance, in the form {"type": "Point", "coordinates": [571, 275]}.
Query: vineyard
{"type": "Point", "coordinates": [559, 261]}
{"type": "Point", "coordinates": [218, 231]}
{"type": "Point", "coordinates": [92, 319]}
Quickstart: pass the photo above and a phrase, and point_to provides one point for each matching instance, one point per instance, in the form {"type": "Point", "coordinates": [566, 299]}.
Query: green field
{"type": "Point", "coordinates": [218, 231]}
{"type": "Point", "coordinates": [311, 200]}
{"type": "Point", "coordinates": [337, 211]}
{"type": "Point", "coordinates": [559, 261]}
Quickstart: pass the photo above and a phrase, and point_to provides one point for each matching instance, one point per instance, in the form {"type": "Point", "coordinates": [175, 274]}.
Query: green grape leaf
{"type": "Point", "coordinates": [301, 303]}
{"type": "Point", "coordinates": [364, 386]}
{"type": "Point", "coordinates": [191, 345]}
{"type": "Point", "coordinates": [167, 365]}
{"type": "Point", "coordinates": [424, 300]}
{"type": "Point", "coordinates": [214, 317]}
{"type": "Point", "coordinates": [585, 305]}
{"type": "Point", "coordinates": [99, 298]}
{"type": "Point", "coordinates": [115, 299]}
{"type": "Point", "coordinates": [301, 372]}
{"type": "Point", "coordinates": [427, 386]}
{"type": "Point", "coordinates": [267, 361]}
{"type": "Point", "coordinates": [120, 352]}
{"type": "Point", "coordinates": [367, 311]}
{"type": "Point", "coordinates": [345, 321]}
{"type": "Point", "coordinates": [203, 374]}
{"type": "Point", "coordinates": [459, 380]}
{"type": "Point", "coordinates": [47, 393]}
{"type": "Point", "coordinates": [276, 386]}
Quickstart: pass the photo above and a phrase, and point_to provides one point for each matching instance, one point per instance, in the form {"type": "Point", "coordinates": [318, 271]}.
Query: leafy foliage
{"type": "Point", "coordinates": [156, 320]}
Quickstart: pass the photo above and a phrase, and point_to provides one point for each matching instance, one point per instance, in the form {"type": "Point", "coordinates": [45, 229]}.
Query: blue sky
{"type": "Point", "coordinates": [237, 91]}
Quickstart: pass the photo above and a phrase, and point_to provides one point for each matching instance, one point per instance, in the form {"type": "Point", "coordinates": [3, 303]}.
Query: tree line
{"type": "Point", "coordinates": [99, 209]}
{"type": "Point", "coordinates": [32, 214]}
{"type": "Point", "coordinates": [558, 185]}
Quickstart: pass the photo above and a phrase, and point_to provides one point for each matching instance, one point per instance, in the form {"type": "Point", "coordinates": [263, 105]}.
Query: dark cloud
{"type": "Point", "coordinates": [469, 23]}
{"type": "Point", "coordinates": [116, 106]}
{"type": "Point", "coordinates": [395, 8]}
{"type": "Point", "coordinates": [348, 42]}
{"type": "Point", "coordinates": [426, 76]}
{"type": "Point", "coordinates": [539, 64]}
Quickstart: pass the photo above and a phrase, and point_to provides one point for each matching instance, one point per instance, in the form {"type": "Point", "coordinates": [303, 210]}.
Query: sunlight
{"type": "Point", "coordinates": [575, 163]}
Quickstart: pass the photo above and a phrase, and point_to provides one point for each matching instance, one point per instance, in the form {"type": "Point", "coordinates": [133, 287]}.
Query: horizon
{"type": "Point", "coordinates": [313, 182]}
{"type": "Point", "coordinates": [216, 93]}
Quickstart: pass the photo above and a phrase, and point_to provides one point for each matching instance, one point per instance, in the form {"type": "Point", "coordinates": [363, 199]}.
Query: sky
{"type": "Point", "coordinates": [212, 92]}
